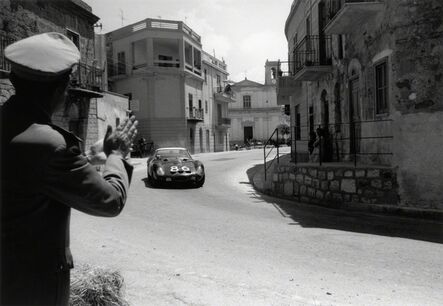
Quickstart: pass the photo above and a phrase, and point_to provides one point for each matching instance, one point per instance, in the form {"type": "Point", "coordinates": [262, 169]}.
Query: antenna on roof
{"type": "Point", "coordinates": [213, 51]}
{"type": "Point", "coordinates": [121, 16]}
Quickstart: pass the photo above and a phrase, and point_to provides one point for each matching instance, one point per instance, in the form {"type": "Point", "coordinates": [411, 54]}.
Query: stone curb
{"type": "Point", "coordinates": [259, 184]}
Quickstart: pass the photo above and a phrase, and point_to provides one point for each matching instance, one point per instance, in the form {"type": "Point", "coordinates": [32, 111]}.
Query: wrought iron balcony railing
{"type": "Point", "coordinates": [312, 51]}
{"type": "Point", "coordinates": [339, 16]}
{"type": "Point", "coordinates": [334, 6]}
{"type": "Point", "coordinates": [4, 42]}
{"type": "Point", "coordinates": [195, 113]}
{"type": "Point", "coordinates": [224, 121]}
{"type": "Point", "coordinates": [87, 77]}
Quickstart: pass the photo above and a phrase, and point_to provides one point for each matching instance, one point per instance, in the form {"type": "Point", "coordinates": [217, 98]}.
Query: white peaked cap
{"type": "Point", "coordinates": [42, 57]}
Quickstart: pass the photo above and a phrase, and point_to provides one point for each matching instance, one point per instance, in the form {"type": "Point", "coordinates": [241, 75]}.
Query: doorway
{"type": "Point", "coordinates": [208, 147]}
{"type": "Point", "coordinates": [248, 133]}
{"type": "Point", "coordinates": [201, 139]}
{"type": "Point", "coordinates": [191, 139]}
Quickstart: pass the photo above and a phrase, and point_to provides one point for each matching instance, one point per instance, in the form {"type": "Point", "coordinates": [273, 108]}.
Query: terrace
{"type": "Point", "coordinates": [344, 14]}
{"type": "Point", "coordinates": [312, 59]}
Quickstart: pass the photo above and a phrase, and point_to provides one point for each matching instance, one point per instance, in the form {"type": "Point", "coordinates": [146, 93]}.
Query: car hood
{"type": "Point", "coordinates": [183, 166]}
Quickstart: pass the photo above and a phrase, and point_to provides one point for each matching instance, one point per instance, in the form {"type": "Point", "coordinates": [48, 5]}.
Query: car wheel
{"type": "Point", "coordinates": [200, 183]}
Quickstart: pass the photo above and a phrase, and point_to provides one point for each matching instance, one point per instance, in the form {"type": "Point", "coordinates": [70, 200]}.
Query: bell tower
{"type": "Point", "coordinates": [271, 72]}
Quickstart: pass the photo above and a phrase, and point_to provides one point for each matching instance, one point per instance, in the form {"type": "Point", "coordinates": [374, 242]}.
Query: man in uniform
{"type": "Point", "coordinates": [44, 174]}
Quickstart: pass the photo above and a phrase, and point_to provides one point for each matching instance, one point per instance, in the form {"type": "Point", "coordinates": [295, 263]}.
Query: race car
{"type": "Point", "coordinates": [168, 165]}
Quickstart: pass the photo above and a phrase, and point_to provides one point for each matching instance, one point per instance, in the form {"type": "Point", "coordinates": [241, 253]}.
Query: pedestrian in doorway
{"type": "Point", "coordinates": [44, 174]}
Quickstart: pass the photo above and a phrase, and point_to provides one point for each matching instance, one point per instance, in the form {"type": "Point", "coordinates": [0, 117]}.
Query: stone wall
{"type": "Point", "coordinates": [408, 35]}
{"type": "Point", "coordinates": [20, 19]}
{"type": "Point", "coordinates": [336, 184]}
{"type": "Point", "coordinates": [6, 90]}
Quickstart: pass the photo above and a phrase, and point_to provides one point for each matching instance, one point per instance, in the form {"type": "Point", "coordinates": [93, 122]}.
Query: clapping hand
{"type": "Point", "coordinates": [120, 141]}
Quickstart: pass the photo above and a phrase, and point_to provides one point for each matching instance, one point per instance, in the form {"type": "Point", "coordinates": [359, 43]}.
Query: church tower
{"type": "Point", "coordinates": [271, 72]}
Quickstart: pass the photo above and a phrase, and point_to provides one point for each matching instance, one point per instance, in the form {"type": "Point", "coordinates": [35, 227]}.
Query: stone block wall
{"type": "Point", "coordinates": [6, 90]}
{"type": "Point", "coordinates": [332, 185]}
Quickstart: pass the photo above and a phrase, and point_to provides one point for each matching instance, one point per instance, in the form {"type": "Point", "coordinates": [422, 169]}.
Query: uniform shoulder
{"type": "Point", "coordinates": [47, 135]}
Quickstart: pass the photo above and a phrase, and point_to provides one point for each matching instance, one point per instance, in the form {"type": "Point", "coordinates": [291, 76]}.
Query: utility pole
{"type": "Point", "coordinates": [122, 17]}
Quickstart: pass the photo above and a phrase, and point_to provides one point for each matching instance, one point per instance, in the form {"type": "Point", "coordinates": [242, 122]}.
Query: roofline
{"type": "Point", "coordinates": [121, 29]}
{"type": "Point", "coordinates": [294, 7]}
{"type": "Point", "coordinates": [87, 10]}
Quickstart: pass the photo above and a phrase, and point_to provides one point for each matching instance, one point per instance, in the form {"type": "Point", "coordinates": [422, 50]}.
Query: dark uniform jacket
{"type": "Point", "coordinates": [43, 176]}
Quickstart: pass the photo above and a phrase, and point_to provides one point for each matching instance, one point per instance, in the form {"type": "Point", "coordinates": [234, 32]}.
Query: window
{"type": "Point", "coordinates": [340, 47]}
{"type": "Point", "coordinates": [246, 101]}
{"type": "Point", "coordinates": [219, 114]}
{"type": "Point", "coordinates": [206, 107]}
{"type": "Point", "coordinates": [381, 88]}
{"type": "Point", "coordinates": [117, 122]}
{"type": "Point", "coordinates": [199, 104]}
{"type": "Point", "coordinates": [287, 109]}
{"type": "Point", "coordinates": [74, 37]}
{"type": "Point", "coordinates": [139, 54]}
{"type": "Point", "coordinates": [188, 54]}
{"type": "Point", "coordinates": [121, 63]}
{"type": "Point", "coordinates": [206, 76]}
{"type": "Point", "coordinates": [218, 81]}
{"type": "Point", "coordinates": [190, 101]}
{"type": "Point", "coordinates": [197, 59]}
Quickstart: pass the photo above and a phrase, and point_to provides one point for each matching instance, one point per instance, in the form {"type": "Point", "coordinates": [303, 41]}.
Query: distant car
{"type": "Point", "coordinates": [168, 165]}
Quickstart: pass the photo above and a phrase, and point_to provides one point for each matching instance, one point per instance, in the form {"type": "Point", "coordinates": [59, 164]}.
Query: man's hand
{"type": "Point", "coordinates": [120, 141]}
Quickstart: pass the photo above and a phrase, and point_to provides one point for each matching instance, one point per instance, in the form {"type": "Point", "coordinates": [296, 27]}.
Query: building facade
{"type": "Point", "coordinates": [89, 107]}
{"type": "Point", "coordinates": [217, 97]}
{"type": "Point", "coordinates": [255, 114]}
{"type": "Point", "coordinates": [364, 78]}
{"type": "Point", "coordinates": [171, 82]}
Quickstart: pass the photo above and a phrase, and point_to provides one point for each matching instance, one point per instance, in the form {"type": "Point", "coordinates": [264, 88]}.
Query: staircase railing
{"type": "Point", "coordinates": [273, 144]}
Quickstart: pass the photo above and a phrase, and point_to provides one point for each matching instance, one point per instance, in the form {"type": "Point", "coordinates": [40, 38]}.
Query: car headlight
{"type": "Point", "coordinates": [160, 171]}
{"type": "Point", "coordinates": [199, 170]}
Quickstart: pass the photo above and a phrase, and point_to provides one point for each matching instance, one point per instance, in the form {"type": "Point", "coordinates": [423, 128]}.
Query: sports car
{"type": "Point", "coordinates": [174, 165]}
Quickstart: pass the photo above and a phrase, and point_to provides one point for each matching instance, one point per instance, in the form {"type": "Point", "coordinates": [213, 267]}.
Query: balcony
{"type": "Point", "coordinates": [167, 63]}
{"type": "Point", "coordinates": [5, 66]}
{"type": "Point", "coordinates": [223, 122]}
{"type": "Point", "coordinates": [312, 58]}
{"type": "Point", "coordinates": [224, 94]}
{"type": "Point", "coordinates": [287, 86]}
{"type": "Point", "coordinates": [194, 114]}
{"type": "Point", "coordinates": [343, 15]}
{"type": "Point", "coordinates": [87, 80]}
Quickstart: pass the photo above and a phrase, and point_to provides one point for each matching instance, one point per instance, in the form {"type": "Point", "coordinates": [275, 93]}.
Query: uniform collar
{"type": "Point", "coordinates": [35, 112]}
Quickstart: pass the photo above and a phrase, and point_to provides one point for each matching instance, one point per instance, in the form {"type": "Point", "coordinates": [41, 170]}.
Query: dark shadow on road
{"type": "Point", "coordinates": [168, 185]}
{"type": "Point", "coordinates": [310, 215]}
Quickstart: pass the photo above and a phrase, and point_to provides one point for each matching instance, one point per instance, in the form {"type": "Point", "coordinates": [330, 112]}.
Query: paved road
{"type": "Point", "coordinates": [224, 244]}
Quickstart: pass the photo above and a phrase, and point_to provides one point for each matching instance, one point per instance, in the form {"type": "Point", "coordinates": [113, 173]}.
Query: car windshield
{"type": "Point", "coordinates": [173, 153]}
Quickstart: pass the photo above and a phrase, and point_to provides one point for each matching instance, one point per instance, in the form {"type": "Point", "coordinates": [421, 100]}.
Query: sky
{"type": "Point", "coordinates": [245, 33]}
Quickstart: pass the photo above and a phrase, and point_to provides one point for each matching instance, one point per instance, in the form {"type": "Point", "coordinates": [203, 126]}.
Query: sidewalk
{"type": "Point", "coordinates": [256, 176]}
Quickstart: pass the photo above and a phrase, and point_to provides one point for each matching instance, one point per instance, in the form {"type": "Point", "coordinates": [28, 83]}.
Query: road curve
{"type": "Point", "coordinates": [225, 244]}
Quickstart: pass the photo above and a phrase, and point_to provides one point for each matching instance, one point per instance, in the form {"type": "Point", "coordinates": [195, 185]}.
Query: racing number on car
{"type": "Point", "coordinates": [175, 169]}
